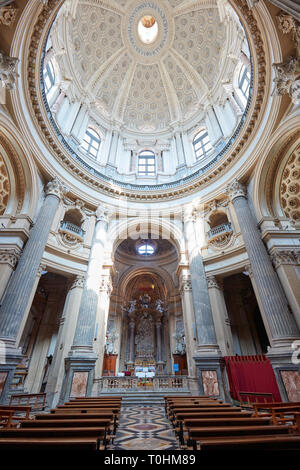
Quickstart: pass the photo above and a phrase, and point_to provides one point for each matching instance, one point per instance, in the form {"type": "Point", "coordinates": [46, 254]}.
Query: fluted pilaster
{"type": "Point", "coordinates": [206, 335]}
{"type": "Point", "coordinates": [83, 339]}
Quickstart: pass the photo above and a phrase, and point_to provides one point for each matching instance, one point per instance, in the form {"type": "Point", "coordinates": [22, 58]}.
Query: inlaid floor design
{"type": "Point", "coordinates": [144, 428]}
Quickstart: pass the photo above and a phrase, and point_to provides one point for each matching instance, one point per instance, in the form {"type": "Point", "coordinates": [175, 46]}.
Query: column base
{"type": "Point", "coordinates": [286, 365]}
{"type": "Point", "coordinates": [211, 376]}
{"type": "Point", "coordinates": [79, 376]}
{"type": "Point", "coordinates": [10, 358]}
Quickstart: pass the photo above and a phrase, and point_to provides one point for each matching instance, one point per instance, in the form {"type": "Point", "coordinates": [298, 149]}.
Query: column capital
{"type": "Point", "coordinates": [77, 282]}
{"type": "Point", "coordinates": [248, 269]}
{"type": "Point", "coordinates": [41, 268]}
{"type": "Point", "coordinates": [102, 214]}
{"type": "Point", "coordinates": [9, 256]}
{"type": "Point", "coordinates": [55, 188]}
{"type": "Point", "coordinates": [106, 285]}
{"type": "Point", "coordinates": [212, 282]}
{"type": "Point", "coordinates": [236, 189]}
{"type": "Point", "coordinates": [185, 283]}
{"type": "Point", "coordinates": [8, 74]}
{"type": "Point", "coordinates": [284, 257]}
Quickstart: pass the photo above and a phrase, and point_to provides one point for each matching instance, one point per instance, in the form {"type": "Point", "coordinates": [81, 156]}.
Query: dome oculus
{"type": "Point", "coordinates": [148, 29]}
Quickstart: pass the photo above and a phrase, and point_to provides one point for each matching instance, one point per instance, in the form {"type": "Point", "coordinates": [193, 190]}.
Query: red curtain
{"type": "Point", "coordinates": [251, 374]}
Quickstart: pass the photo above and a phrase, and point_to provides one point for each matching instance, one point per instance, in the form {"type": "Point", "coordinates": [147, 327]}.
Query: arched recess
{"type": "Point", "coordinates": [21, 173]}
{"type": "Point", "coordinates": [269, 171]}
{"type": "Point", "coordinates": [159, 227]}
{"type": "Point", "coordinates": [164, 281]}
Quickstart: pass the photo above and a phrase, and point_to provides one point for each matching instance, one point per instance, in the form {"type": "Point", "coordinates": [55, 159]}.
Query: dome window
{"type": "Point", "coordinates": [201, 144]}
{"type": "Point", "coordinates": [244, 81]}
{"type": "Point", "coordinates": [91, 142]}
{"type": "Point", "coordinates": [146, 247]}
{"type": "Point", "coordinates": [146, 163]}
{"type": "Point", "coordinates": [148, 29]}
{"type": "Point", "coordinates": [49, 77]}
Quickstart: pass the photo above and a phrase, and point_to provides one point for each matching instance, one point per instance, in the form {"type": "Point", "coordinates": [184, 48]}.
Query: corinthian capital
{"type": "Point", "coordinates": [102, 213]}
{"type": "Point", "coordinates": [236, 189]}
{"type": "Point", "coordinates": [287, 79]}
{"type": "Point", "coordinates": [8, 72]}
{"type": "Point", "coordinates": [56, 188]}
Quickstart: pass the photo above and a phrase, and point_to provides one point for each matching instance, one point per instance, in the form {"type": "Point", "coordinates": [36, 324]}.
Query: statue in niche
{"type": "Point", "coordinates": [131, 306]}
{"type": "Point", "coordinates": [144, 339]}
{"type": "Point", "coordinates": [111, 337]}
{"type": "Point", "coordinates": [179, 336]}
{"type": "Point", "coordinates": [160, 306]}
{"type": "Point", "coordinates": [180, 347]}
{"type": "Point", "coordinates": [145, 300]}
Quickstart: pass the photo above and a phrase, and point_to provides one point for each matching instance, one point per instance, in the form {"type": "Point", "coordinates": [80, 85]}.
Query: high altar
{"type": "Point", "coordinates": [145, 334]}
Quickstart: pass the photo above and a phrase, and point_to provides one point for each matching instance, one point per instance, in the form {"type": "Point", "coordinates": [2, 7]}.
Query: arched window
{"type": "Point", "coordinates": [201, 144]}
{"type": "Point", "coordinates": [49, 77]}
{"type": "Point", "coordinates": [244, 81]}
{"type": "Point", "coordinates": [146, 163]}
{"type": "Point", "coordinates": [91, 142]}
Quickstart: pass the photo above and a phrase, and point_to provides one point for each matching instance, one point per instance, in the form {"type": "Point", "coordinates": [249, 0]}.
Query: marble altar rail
{"type": "Point", "coordinates": [163, 384]}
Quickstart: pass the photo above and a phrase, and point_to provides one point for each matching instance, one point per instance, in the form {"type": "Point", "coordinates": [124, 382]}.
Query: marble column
{"type": "Point", "coordinates": [101, 320]}
{"type": "Point", "coordinates": [8, 261]}
{"type": "Point", "coordinates": [131, 327]}
{"type": "Point", "coordinates": [64, 340]}
{"type": "Point", "coordinates": [279, 322]}
{"type": "Point", "coordinates": [188, 321]}
{"type": "Point", "coordinates": [82, 357]}
{"type": "Point", "coordinates": [15, 300]}
{"type": "Point", "coordinates": [207, 355]}
{"type": "Point", "coordinates": [286, 263]}
{"type": "Point", "coordinates": [220, 315]}
{"type": "Point", "coordinates": [158, 326]}
{"type": "Point", "coordinates": [206, 336]}
{"type": "Point", "coordinates": [20, 290]}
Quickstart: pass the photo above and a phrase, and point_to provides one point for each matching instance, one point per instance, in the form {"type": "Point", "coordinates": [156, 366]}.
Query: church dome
{"type": "Point", "coordinates": [168, 77]}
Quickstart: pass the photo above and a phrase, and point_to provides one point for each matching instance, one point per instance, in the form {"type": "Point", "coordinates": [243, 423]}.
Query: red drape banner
{"type": "Point", "coordinates": [251, 374]}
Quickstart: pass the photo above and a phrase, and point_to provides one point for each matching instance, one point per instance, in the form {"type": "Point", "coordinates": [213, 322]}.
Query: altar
{"type": "Point", "coordinates": [145, 319]}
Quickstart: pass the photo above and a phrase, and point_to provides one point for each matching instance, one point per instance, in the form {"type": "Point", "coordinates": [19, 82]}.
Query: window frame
{"type": "Point", "coordinates": [204, 147]}
{"type": "Point", "coordinates": [149, 169]}
{"type": "Point", "coordinates": [49, 74]}
{"type": "Point", "coordinates": [244, 77]}
{"type": "Point", "coordinates": [88, 145]}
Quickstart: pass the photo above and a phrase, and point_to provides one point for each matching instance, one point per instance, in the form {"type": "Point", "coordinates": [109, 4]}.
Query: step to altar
{"type": "Point", "coordinates": [143, 397]}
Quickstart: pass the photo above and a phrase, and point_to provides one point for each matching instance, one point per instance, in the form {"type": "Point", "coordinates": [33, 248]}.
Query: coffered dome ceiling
{"type": "Point", "coordinates": [146, 86]}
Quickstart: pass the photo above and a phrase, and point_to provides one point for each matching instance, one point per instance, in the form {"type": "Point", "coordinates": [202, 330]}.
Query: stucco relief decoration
{"type": "Point", "coordinates": [287, 79]}
{"type": "Point", "coordinates": [4, 186]}
{"type": "Point", "coordinates": [290, 187]}
{"type": "Point", "coordinates": [8, 15]}
{"type": "Point", "coordinates": [8, 73]}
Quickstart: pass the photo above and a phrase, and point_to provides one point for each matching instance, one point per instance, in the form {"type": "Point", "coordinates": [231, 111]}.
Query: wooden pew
{"type": "Point", "coordinates": [6, 418]}
{"type": "Point", "coordinates": [253, 443]}
{"type": "Point", "coordinates": [37, 401]}
{"type": "Point", "coordinates": [45, 444]}
{"type": "Point", "coordinates": [278, 411]}
{"type": "Point", "coordinates": [16, 411]}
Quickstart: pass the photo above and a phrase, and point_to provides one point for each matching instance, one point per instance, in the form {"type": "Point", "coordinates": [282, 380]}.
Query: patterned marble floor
{"type": "Point", "coordinates": [144, 428]}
